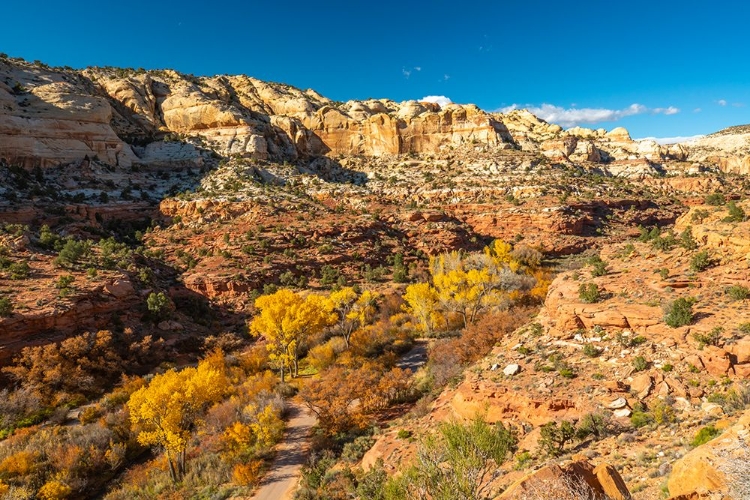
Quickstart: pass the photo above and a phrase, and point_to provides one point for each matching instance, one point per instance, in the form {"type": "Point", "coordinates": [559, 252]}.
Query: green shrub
{"type": "Point", "coordinates": [598, 266]}
{"type": "Point", "coordinates": [589, 293]}
{"type": "Point", "coordinates": [328, 275]}
{"type": "Point", "coordinates": [47, 238]}
{"type": "Point", "coordinates": [667, 367]}
{"type": "Point", "coordinates": [704, 435]}
{"type": "Point", "coordinates": [679, 313]}
{"type": "Point", "coordinates": [522, 460]}
{"type": "Point", "coordinates": [663, 413]}
{"type": "Point", "coordinates": [554, 437]}
{"type": "Point", "coordinates": [567, 372]}
{"type": "Point", "coordinates": [158, 305]}
{"type": "Point", "coordinates": [591, 350]}
{"type": "Point", "coordinates": [699, 216]}
{"type": "Point", "coordinates": [287, 278]}
{"type": "Point", "coordinates": [6, 307]}
{"type": "Point", "coordinates": [686, 239]}
{"type": "Point", "coordinates": [700, 261]}
{"type": "Point", "coordinates": [64, 285]}
{"type": "Point", "coordinates": [403, 434]}
{"type": "Point", "coordinates": [711, 338]}
{"type": "Point", "coordinates": [734, 400]}
{"type": "Point", "coordinates": [647, 235]}
{"type": "Point", "coordinates": [592, 424]}
{"type": "Point", "coordinates": [738, 292]}
{"type": "Point", "coordinates": [356, 449]}
{"type": "Point", "coordinates": [19, 270]}
{"type": "Point", "coordinates": [744, 327]}
{"type": "Point", "coordinates": [664, 243]}
{"type": "Point", "coordinates": [736, 214]}
{"type": "Point", "coordinates": [627, 341]}
{"type": "Point", "coordinates": [641, 419]}
{"type": "Point", "coordinates": [640, 363]}
{"type": "Point", "coordinates": [715, 199]}
{"type": "Point", "coordinates": [400, 272]}
{"type": "Point", "coordinates": [72, 252]}
{"type": "Point", "coordinates": [664, 273]}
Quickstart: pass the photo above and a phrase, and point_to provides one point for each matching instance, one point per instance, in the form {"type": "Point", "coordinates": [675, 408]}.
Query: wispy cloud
{"type": "Point", "coordinates": [721, 102]}
{"type": "Point", "coordinates": [697, 110]}
{"type": "Point", "coordinates": [571, 117]}
{"type": "Point", "coordinates": [438, 99]}
{"type": "Point", "coordinates": [408, 71]}
{"type": "Point", "coordinates": [671, 140]}
{"type": "Point", "coordinates": [671, 110]}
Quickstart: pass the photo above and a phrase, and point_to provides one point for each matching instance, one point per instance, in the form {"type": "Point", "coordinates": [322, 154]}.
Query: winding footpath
{"type": "Point", "coordinates": [281, 482]}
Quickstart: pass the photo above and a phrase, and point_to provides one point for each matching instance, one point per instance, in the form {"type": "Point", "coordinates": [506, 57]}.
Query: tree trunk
{"type": "Point", "coordinates": [172, 472]}
{"type": "Point", "coordinates": [181, 463]}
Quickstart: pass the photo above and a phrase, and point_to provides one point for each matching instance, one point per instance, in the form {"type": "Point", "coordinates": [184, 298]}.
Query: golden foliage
{"type": "Point", "coordinates": [321, 356]}
{"type": "Point", "coordinates": [54, 490]}
{"type": "Point", "coordinates": [344, 398]}
{"type": "Point", "coordinates": [20, 463]}
{"type": "Point", "coordinates": [168, 408]}
{"type": "Point", "coordinates": [287, 320]}
{"type": "Point", "coordinates": [421, 302]}
{"type": "Point", "coordinates": [468, 285]}
{"type": "Point", "coordinates": [247, 474]}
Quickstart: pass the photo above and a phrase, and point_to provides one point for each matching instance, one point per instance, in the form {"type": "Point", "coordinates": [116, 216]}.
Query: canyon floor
{"type": "Point", "coordinates": [160, 206]}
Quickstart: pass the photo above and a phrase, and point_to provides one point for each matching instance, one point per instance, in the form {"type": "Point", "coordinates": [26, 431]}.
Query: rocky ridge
{"type": "Point", "coordinates": [59, 115]}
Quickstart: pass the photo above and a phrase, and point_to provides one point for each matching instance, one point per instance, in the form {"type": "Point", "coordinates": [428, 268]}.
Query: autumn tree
{"type": "Point", "coordinates": [422, 303]}
{"type": "Point", "coordinates": [353, 310]}
{"type": "Point", "coordinates": [287, 320]}
{"type": "Point", "coordinates": [168, 408]}
{"type": "Point", "coordinates": [343, 399]}
{"type": "Point", "coordinates": [469, 284]}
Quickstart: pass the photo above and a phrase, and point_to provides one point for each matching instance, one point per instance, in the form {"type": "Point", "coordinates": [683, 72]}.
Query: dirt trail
{"type": "Point", "coordinates": [281, 481]}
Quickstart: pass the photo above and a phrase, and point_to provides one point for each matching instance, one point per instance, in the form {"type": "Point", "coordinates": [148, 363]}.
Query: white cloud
{"type": "Point", "coordinates": [667, 111]}
{"type": "Point", "coordinates": [407, 72]}
{"type": "Point", "coordinates": [571, 117]}
{"type": "Point", "coordinates": [721, 102]}
{"type": "Point", "coordinates": [437, 99]}
{"type": "Point", "coordinates": [697, 110]}
{"type": "Point", "coordinates": [508, 109]}
{"type": "Point", "coordinates": [672, 140]}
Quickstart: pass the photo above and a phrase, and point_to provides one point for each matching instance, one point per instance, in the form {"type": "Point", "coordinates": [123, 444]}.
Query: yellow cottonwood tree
{"type": "Point", "coordinates": [353, 310]}
{"type": "Point", "coordinates": [422, 302]}
{"type": "Point", "coordinates": [167, 409]}
{"type": "Point", "coordinates": [343, 301]}
{"type": "Point", "coordinates": [287, 320]}
{"type": "Point", "coordinates": [469, 284]}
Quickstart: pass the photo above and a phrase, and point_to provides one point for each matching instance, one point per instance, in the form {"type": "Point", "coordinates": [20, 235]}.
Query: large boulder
{"type": "Point", "coordinates": [577, 479]}
{"type": "Point", "coordinates": [720, 466]}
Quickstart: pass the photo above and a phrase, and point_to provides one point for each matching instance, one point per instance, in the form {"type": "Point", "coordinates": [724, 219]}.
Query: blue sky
{"type": "Point", "coordinates": [658, 68]}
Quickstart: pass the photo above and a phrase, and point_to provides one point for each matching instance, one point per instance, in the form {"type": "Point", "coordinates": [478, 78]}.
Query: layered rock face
{"type": "Point", "coordinates": [242, 115]}
{"type": "Point", "coordinates": [47, 118]}
{"type": "Point", "coordinates": [56, 116]}
{"type": "Point", "coordinates": [729, 149]}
